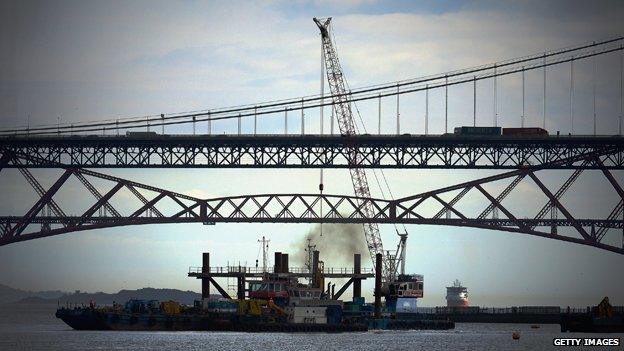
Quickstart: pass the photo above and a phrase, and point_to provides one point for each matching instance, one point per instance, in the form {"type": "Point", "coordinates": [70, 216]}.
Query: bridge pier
{"type": "Point", "coordinates": [378, 265]}
{"type": "Point", "coordinates": [205, 270]}
{"type": "Point", "coordinates": [240, 291]}
{"type": "Point", "coordinates": [357, 269]}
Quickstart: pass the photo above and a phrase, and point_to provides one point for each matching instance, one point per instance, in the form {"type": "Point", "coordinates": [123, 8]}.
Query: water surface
{"type": "Point", "coordinates": [34, 327]}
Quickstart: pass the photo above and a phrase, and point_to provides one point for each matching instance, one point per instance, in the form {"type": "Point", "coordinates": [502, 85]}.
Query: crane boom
{"type": "Point", "coordinates": [346, 124]}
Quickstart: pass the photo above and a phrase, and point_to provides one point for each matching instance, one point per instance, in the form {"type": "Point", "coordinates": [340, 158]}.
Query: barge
{"type": "Point", "coordinates": [266, 302]}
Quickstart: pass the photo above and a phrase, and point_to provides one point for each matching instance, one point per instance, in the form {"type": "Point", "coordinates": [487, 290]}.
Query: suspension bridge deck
{"type": "Point", "coordinates": [311, 151]}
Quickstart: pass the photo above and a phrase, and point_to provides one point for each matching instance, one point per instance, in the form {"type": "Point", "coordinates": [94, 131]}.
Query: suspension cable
{"type": "Point", "coordinates": [315, 101]}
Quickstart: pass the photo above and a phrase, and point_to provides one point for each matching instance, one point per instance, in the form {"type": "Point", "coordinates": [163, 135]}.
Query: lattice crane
{"type": "Point", "coordinates": [346, 123]}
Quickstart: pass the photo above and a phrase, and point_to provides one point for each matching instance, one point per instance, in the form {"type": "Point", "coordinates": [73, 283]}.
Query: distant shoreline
{"type": "Point", "coordinates": [10, 295]}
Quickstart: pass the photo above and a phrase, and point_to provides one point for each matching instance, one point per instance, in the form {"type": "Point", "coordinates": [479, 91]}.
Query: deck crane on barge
{"type": "Point", "coordinates": [396, 284]}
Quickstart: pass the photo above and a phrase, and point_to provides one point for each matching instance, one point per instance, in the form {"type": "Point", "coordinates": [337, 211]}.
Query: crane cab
{"type": "Point", "coordinates": [406, 285]}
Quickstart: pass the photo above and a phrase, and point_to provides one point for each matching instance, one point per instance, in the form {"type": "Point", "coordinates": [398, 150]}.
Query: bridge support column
{"type": "Point", "coordinates": [378, 263]}
{"type": "Point", "coordinates": [205, 270]}
{"type": "Point", "coordinates": [240, 292]}
{"type": "Point", "coordinates": [357, 269]}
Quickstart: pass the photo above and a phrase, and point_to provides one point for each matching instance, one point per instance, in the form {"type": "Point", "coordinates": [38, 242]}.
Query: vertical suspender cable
{"type": "Point", "coordinates": [239, 123]}
{"type": "Point", "coordinates": [572, 96]}
{"type": "Point", "coordinates": [495, 99]}
{"type": "Point", "coordinates": [379, 114]}
{"type": "Point", "coordinates": [146, 120]}
{"type": "Point", "coordinates": [446, 105]}
{"type": "Point", "coordinates": [398, 116]}
{"type": "Point", "coordinates": [285, 120]}
{"type": "Point", "coordinates": [594, 90]}
{"type": "Point", "coordinates": [523, 115]}
{"type": "Point", "coordinates": [474, 101]}
{"type": "Point", "coordinates": [255, 119]}
{"type": "Point", "coordinates": [194, 120]}
{"type": "Point", "coordinates": [621, 93]}
{"type": "Point", "coordinates": [209, 124]}
{"type": "Point", "coordinates": [331, 121]}
{"type": "Point", "coordinates": [162, 117]}
{"type": "Point", "coordinates": [427, 109]}
{"type": "Point", "coordinates": [302, 119]}
{"type": "Point", "coordinates": [544, 98]}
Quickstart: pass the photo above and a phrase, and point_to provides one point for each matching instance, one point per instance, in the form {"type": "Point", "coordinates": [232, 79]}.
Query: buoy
{"type": "Point", "coordinates": [515, 335]}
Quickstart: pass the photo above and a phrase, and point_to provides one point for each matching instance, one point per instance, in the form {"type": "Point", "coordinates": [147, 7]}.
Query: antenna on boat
{"type": "Point", "coordinates": [265, 249]}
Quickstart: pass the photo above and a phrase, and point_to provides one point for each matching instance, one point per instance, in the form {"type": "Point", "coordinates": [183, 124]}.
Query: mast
{"type": "Point", "coordinates": [265, 249]}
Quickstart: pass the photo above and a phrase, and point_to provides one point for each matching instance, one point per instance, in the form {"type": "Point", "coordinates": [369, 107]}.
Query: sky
{"type": "Point", "coordinates": [74, 61]}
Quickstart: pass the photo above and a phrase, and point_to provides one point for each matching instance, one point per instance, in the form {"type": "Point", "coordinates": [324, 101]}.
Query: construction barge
{"type": "Point", "coordinates": [276, 301]}
{"type": "Point", "coordinates": [268, 302]}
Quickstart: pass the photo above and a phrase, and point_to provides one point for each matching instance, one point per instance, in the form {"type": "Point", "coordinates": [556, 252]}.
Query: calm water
{"type": "Point", "coordinates": [35, 328]}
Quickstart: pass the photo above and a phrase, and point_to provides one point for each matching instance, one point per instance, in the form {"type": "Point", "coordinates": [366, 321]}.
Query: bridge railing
{"type": "Point", "coordinates": [259, 270]}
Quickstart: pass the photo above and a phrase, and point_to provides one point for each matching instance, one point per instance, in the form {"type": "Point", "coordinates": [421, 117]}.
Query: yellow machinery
{"type": "Point", "coordinates": [250, 307]}
{"type": "Point", "coordinates": [170, 307]}
{"type": "Point", "coordinates": [604, 309]}
{"type": "Point", "coordinates": [276, 308]}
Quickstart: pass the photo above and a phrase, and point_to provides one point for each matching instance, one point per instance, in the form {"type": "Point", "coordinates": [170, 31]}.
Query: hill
{"type": "Point", "coordinates": [184, 297]}
{"type": "Point", "coordinates": [12, 295]}
{"type": "Point", "coordinates": [9, 294]}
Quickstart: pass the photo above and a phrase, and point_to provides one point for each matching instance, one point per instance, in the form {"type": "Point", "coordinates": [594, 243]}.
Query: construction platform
{"type": "Point", "coordinates": [245, 275]}
{"type": "Point", "coordinates": [294, 272]}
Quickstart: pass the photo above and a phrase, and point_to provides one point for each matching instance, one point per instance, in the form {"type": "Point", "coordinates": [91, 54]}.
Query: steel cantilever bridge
{"type": "Point", "coordinates": [74, 150]}
{"type": "Point", "coordinates": [46, 217]}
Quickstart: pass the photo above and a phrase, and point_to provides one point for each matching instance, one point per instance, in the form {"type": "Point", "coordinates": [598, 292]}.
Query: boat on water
{"type": "Point", "coordinates": [457, 295]}
{"type": "Point", "coordinates": [207, 315]}
{"type": "Point", "coordinates": [267, 301]}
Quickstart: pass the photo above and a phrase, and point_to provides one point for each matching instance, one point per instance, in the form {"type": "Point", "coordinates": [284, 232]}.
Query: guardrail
{"type": "Point", "coordinates": [508, 310]}
{"type": "Point", "coordinates": [259, 270]}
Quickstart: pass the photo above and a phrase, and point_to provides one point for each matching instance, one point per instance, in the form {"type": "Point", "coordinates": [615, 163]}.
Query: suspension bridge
{"type": "Point", "coordinates": [74, 149]}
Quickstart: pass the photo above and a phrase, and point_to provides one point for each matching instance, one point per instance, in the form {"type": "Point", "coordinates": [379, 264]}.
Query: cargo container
{"type": "Point", "coordinates": [525, 131]}
{"type": "Point", "coordinates": [140, 134]}
{"type": "Point", "coordinates": [487, 131]}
